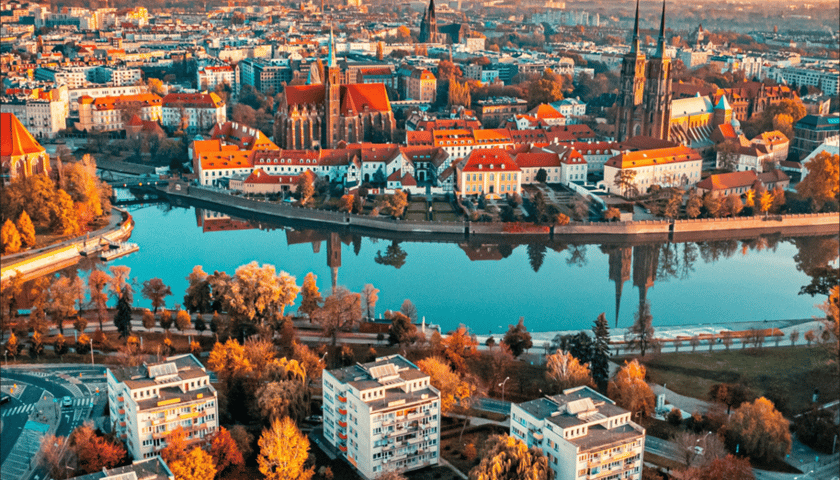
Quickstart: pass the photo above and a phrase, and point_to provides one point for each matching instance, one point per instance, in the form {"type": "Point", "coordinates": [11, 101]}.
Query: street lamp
{"type": "Point", "coordinates": [503, 387]}
{"type": "Point", "coordinates": [91, 351]}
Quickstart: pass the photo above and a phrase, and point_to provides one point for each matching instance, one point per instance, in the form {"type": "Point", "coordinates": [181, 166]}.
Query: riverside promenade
{"type": "Point", "coordinates": [41, 261]}
{"type": "Point", "coordinates": [677, 230]}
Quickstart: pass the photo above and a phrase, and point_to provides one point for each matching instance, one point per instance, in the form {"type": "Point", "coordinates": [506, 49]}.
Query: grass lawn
{"type": "Point", "coordinates": [446, 217]}
{"type": "Point", "coordinates": [411, 215]}
{"type": "Point", "coordinates": [792, 371]}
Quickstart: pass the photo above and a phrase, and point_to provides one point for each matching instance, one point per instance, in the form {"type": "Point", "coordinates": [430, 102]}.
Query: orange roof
{"type": "Point", "coordinates": [495, 135]}
{"type": "Point", "coordinates": [659, 156]}
{"type": "Point", "coordinates": [226, 160]}
{"type": "Point", "coordinates": [726, 181]}
{"type": "Point", "coordinates": [16, 139]}
{"type": "Point", "coordinates": [193, 100]}
{"type": "Point", "coordinates": [370, 95]}
{"type": "Point", "coordinates": [304, 94]}
{"type": "Point", "coordinates": [545, 110]}
{"type": "Point", "coordinates": [110, 103]}
{"type": "Point", "coordinates": [420, 137]}
{"type": "Point", "coordinates": [534, 160]}
{"type": "Point", "coordinates": [376, 71]}
{"type": "Point", "coordinates": [773, 138]}
{"type": "Point", "coordinates": [489, 159]}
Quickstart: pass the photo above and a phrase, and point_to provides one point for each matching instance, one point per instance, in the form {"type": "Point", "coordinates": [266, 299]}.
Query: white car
{"type": "Point", "coordinates": [67, 402]}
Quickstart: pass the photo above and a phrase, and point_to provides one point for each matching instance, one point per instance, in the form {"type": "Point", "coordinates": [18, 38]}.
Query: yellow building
{"type": "Point", "coordinates": [488, 172]}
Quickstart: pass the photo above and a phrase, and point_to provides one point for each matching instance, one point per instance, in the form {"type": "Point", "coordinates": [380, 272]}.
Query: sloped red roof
{"type": "Point", "coordinates": [489, 159]}
{"type": "Point", "coordinates": [304, 94]}
{"type": "Point", "coordinates": [537, 159]}
{"type": "Point", "coordinates": [409, 181]}
{"type": "Point", "coordinates": [370, 95]}
{"type": "Point", "coordinates": [726, 181]}
{"type": "Point", "coordinates": [16, 139]}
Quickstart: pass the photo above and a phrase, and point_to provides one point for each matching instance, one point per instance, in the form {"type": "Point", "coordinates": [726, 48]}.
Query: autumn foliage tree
{"type": "Point", "coordinates": [822, 183]}
{"type": "Point", "coordinates": [9, 238]}
{"type": "Point", "coordinates": [284, 452]}
{"type": "Point", "coordinates": [517, 338]}
{"type": "Point", "coordinates": [565, 371]}
{"type": "Point", "coordinates": [630, 391]}
{"type": "Point", "coordinates": [95, 452]}
{"type": "Point", "coordinates": [156, 292]}
{"type": "Point", "coordinates": [727, 468]}
{"type": "Point", "coordinates": [760, 430]}
{"type": "Point", "coordinates": [507, 458]}
{"type": "Point", "coordinates": [341, 311]}
{"type": "Point", "coordinates": [459, 346]}
{"type": "Point", "coordinates": [310, 295]}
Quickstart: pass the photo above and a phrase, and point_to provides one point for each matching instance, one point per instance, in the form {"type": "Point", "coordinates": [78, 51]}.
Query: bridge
{"type": "Point", "coordinates": [136, 182]}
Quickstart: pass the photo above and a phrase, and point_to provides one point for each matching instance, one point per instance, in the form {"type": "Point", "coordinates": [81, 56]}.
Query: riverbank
{"type": "Point", "coordinates": [676, 231]}
{"type": "Point", "coordinates": [46, 260]}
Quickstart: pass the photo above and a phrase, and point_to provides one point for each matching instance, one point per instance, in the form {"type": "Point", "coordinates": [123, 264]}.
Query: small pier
{"type": "Point", "coordinates": [122, 249]}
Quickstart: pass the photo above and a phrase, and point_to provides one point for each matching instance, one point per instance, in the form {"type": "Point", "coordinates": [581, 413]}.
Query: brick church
{"type": "Point", "coordinates": [324, 114]}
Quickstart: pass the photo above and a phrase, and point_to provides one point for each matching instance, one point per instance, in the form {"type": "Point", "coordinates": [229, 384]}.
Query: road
{"type": "Point", "coordinates": [80, 382]}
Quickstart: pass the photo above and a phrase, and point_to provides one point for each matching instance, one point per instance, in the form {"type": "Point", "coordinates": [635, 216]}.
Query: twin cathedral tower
{"type": "Point", "coordinates": [644, 97]}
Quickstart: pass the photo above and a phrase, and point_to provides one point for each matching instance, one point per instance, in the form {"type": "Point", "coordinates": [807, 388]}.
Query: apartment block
{"type": "Point", "coordinates": [147, 403]}
{"type": "Point", "coordinates": [382, 416]}
{"type": "Point", "coordinates": [584, 435]}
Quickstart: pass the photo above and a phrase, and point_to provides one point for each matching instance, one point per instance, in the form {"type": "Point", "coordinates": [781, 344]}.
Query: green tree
{"type": "Point", "coordinates": [122, 317]}
{"type": "Point", "coordinates": [26, 230]}
{"type": "Point", "coordinates": [517, 338]}
{"type": "Point", "coordinates": [601, 351]}
{"type": "Point", "coordinates": [760, 430]}
{"type": "Point", "coordinates": [507, 458]}
{"type": "Point", "coordinates": [401, 331]}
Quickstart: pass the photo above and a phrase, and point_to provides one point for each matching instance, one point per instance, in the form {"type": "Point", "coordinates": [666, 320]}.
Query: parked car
{"type": "Point", "coordinates": [4, 399]}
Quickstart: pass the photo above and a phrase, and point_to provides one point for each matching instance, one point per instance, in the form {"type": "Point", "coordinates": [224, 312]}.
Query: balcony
{"type": "Point", "coordinates": [342, 411]}
{"type": "Point", "coordinates": [342, 399]}
{"type": "Point", "coordinates": [120, 399]}
{"type": "Point", "coordinates": [122, 424]}
{"type": "Point", "coordinates": [342, 436]}
{"type": "Point", "coordinates": [342, 424]}
{"type": "Point", "coordinates": [343, 448]}
{"type": "Point", "coordinates": [122, 411]}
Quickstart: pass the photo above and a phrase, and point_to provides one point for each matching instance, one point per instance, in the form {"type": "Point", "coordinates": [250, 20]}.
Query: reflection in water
{"type": "Point", "coordinates": [533, 273]}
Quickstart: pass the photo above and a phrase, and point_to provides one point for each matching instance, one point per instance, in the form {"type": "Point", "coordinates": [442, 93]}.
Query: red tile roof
{"type": "Point", "coordinates": [726, 181]}
{"type": "Point", "coordinates": [193, 100]}
{"type": "Point", "coordinates": [489, 159]}
{"type": "Point", "coordinates": [660, 156]}
{"type": "Point", "coordinates": [16, 139]}
{"type": "Point", "coordinates": [539, 159]}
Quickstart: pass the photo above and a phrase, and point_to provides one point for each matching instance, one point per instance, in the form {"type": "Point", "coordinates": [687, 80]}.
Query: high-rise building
{"type": "Point", "coordinates": [382, 416]}
{"type": "Point", "coordinates": [644, 99]}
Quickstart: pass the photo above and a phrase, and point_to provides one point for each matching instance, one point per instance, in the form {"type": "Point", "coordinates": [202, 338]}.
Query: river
{"type": "Point", "coordinates": [489, 286]}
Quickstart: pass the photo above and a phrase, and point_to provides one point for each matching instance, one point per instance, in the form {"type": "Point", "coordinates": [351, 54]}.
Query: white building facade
{"type": "Point", "coordinates": [584, 435]}
{"type": "Point", "coordinates": [149, 402]}
{"type": "Point", "coordinates": [382, 416]}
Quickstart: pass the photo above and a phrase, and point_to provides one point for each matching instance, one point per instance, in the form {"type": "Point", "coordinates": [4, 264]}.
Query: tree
{"type": "Point", "coordinates": [397, 202]}
{"type": "Point", "coordinates": [630, 391]}
{"type": "Point", "coordinates": [546, 89]}
{"type": "Point", "coordinates": [394, 255]}
{"type": "Point", "coordinates": [536, 255]}
{"type": "Point", "coordinates": [641, 334]}
{"type": "Point", "coordinates": [693, 205]}
{"type": "Point", "coordinates": [199, 324]}
{"type": "Point", "coordinates": [64, 220]}
{"type": "Point", "coordinates": [284, 399]}
{"type": "Point", "coordinates": [176, 446]}
{"type": "Point", "coordinates": [401, 331]}
{"type": "Point", "coordinates": [341, 311]}
{"type": "Point", "coordinates": [156, 291]}
{"type": "Point", "coordinates": [244, 440]}
{"type": "Point", "coordinates": [409, 310]}
{"type": "Point", "coordinates": [507, 458]}
{"type": "Point", "coordinates": [10, 240]}
{"type": "Point", "coordinates": [612, 213]}
{"type": "Point", "coordinates": [760, 430]}
{"type": "Point", "coordinates": [197, 295]}
{"type": "Point", "coordinates": [562, 219]}
{"type": "Point", "coordinates": [122, 318]}
{"type": "Point", "coordinates": [794, 336]}
{"type": "Point", "coordinates": [541, 176]}
{"type": "Point", "coordinates": [831, 331]}
{"type": "Point", "coordinates": [63, 293]}
{"type": "Point", "coordinates": [183, 320]}
{"type": "Point", "coordinates": [36, 345]}
{"type": "Point", "coordinates": [625, 181]}
{"type": "Point", "coordinates": [196, 465]}
{"type": "Point", "coordinates": [379, 51]}
{"type": "Point", "coordinates": [448, 70]}
{"type": "Point", "coordinates": [727, 468]}
{"type": "Point", "coordinates": [119, 283]}
{"type": "Point", "coordinates": [371, 296]}
{"type": "Point", "coordinates": [95, 452]}
{"type": "Point", "coordinates": [345, 204]}
{"type": "Point", "coordinates": [13, 345]}
{"type": "Point", "coordinates": [255, 294]}
{"type": "Point", "coordinates": [458, 346]}
{"type": "Point", "coordinates": [599, 363]}
{"type": "Point", "coordinates": [712, 204]}
{"type": "Point", "coordinates": [26, 230]}
{"type": "Point", "coordinates": [580, 208]}
{"type": "Point", "coordinates": [148, 319]}
{"type": "Point", "coordinates": [821, 182]}
{"type": "Point", "coordinates": [52, 455]}
{"type": "Point", "coordinates": [60, 345]}
{"type": "Point", "coordinates": [517, 338]}
{"type": "Point", "coordinates": [817, 430]}
{"type": "Point", "coordinates": [284, 452]}
{"type": "Point", "coordinates": [731, 394]}
{"type": "Point", "coordinates": [765, 202]}
{"type": "Point", "coordinates": [305, 187]}
{"type": "Point", "coordinates": [452, 387]}
{"type": "Point", "coordinates": [165, 320]}
{"type": "Point", "coordinates": [225, 451]}
{"type": "Point", "coordinates": [565, 371]}
{"type": "Point", "coordinates": [97, 280]}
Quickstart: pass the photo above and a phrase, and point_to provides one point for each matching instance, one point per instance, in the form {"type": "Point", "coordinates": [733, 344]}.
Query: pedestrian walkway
{"type": "Point", "coordinates": [27, 409]}
{"type": "Point", "coordinates": [24, 453]}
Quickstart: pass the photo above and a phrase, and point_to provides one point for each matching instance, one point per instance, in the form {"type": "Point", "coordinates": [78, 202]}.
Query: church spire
{"type": "Point", "coordinates": [660, 46]}
{"type": "Point", "coordinates": [332, 62]}
{"type": "Point", "coordinates": [634, 47]}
